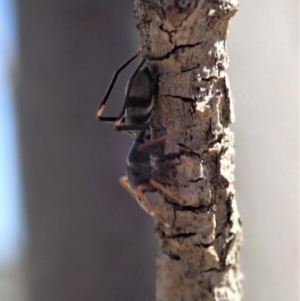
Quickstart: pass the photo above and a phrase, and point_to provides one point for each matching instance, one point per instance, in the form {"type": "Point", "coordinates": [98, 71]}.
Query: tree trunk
{"type": "Point", "coordinates": [184, 43]}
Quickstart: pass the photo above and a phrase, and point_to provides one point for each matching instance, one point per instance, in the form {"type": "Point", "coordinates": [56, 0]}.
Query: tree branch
{"type": "Point", "coordinates": [184, 43]}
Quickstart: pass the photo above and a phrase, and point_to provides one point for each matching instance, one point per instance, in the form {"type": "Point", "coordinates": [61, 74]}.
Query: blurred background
{"type": "Point", "coordinates": [68, 231]}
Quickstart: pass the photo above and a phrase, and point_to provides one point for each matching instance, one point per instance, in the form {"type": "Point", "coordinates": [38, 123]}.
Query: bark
{"type": "Point", "coordinates": [184, 43]}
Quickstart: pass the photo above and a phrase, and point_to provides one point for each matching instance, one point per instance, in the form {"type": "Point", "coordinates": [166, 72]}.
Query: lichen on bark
{"type": "Point", "coordinates": [184, 44]}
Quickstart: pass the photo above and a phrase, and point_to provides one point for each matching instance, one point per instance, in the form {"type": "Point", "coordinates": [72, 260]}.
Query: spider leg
{"type": "Point", "coordinates": [111, 85]}
{"type": "Point", "coordinates": [144, 202]}
{"type": "Point", "coordinates": [158, 139]}
{"type": "Point", "coordinates": [163, 190]}
{"type": "Point", "coordinates": [123, 128]}
{"type": "Point", "coordinates": [133, 127]}
{"type": "Point", "coordinates": [130, 82]}
{"type": "Point", "coordinates": [108, 119]}
{"type": "Point", "coordinates": [124, 182]}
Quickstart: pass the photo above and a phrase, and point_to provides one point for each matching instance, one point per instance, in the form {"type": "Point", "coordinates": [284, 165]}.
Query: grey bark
{"type": "Point", "coordinates": [184, 43]}
{"type": "Point", "coordinates": [86, 236]}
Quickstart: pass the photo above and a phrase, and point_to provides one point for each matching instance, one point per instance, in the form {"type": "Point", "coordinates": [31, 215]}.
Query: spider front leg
{"type": "Point", "coordinates": [139, 194]}
{"type": "Point", "coordinates": [110, 87]}
{"type": "Point", "coordinates": [118, 120]}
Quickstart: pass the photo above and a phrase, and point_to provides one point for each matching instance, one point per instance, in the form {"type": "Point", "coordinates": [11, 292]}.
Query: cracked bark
{"type": "Point", "coordinates": [184, 44]}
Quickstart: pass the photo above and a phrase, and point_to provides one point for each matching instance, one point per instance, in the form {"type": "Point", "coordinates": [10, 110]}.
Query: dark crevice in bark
{"type": "Point", "coordinates": [184, 99]}
{"type": "Point", "coordinates": [198, 209]}
{"type": "Point", "coordinates": [215, 270]}
{"type": "Point", "coordinates": [196, 180]}
{"type": "Point", "coordinates": [173, 156]}
{"type": "Point", "coordinates": [161, 27]}
{"type": "Point", "coordinates": [180, 235]}
{"type": "Point", "coordinates": [173, 51]}
{"type": "Point", "coordinates": [208, 79]}
{"type": "Point", "coordinates": [190, 69]}
{"type": "Point", "coordinates": [173, 256]}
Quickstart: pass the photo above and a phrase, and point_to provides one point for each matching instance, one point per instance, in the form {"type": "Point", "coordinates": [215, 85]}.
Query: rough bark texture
{"type": "Point", "coordinates": [184, 43]}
